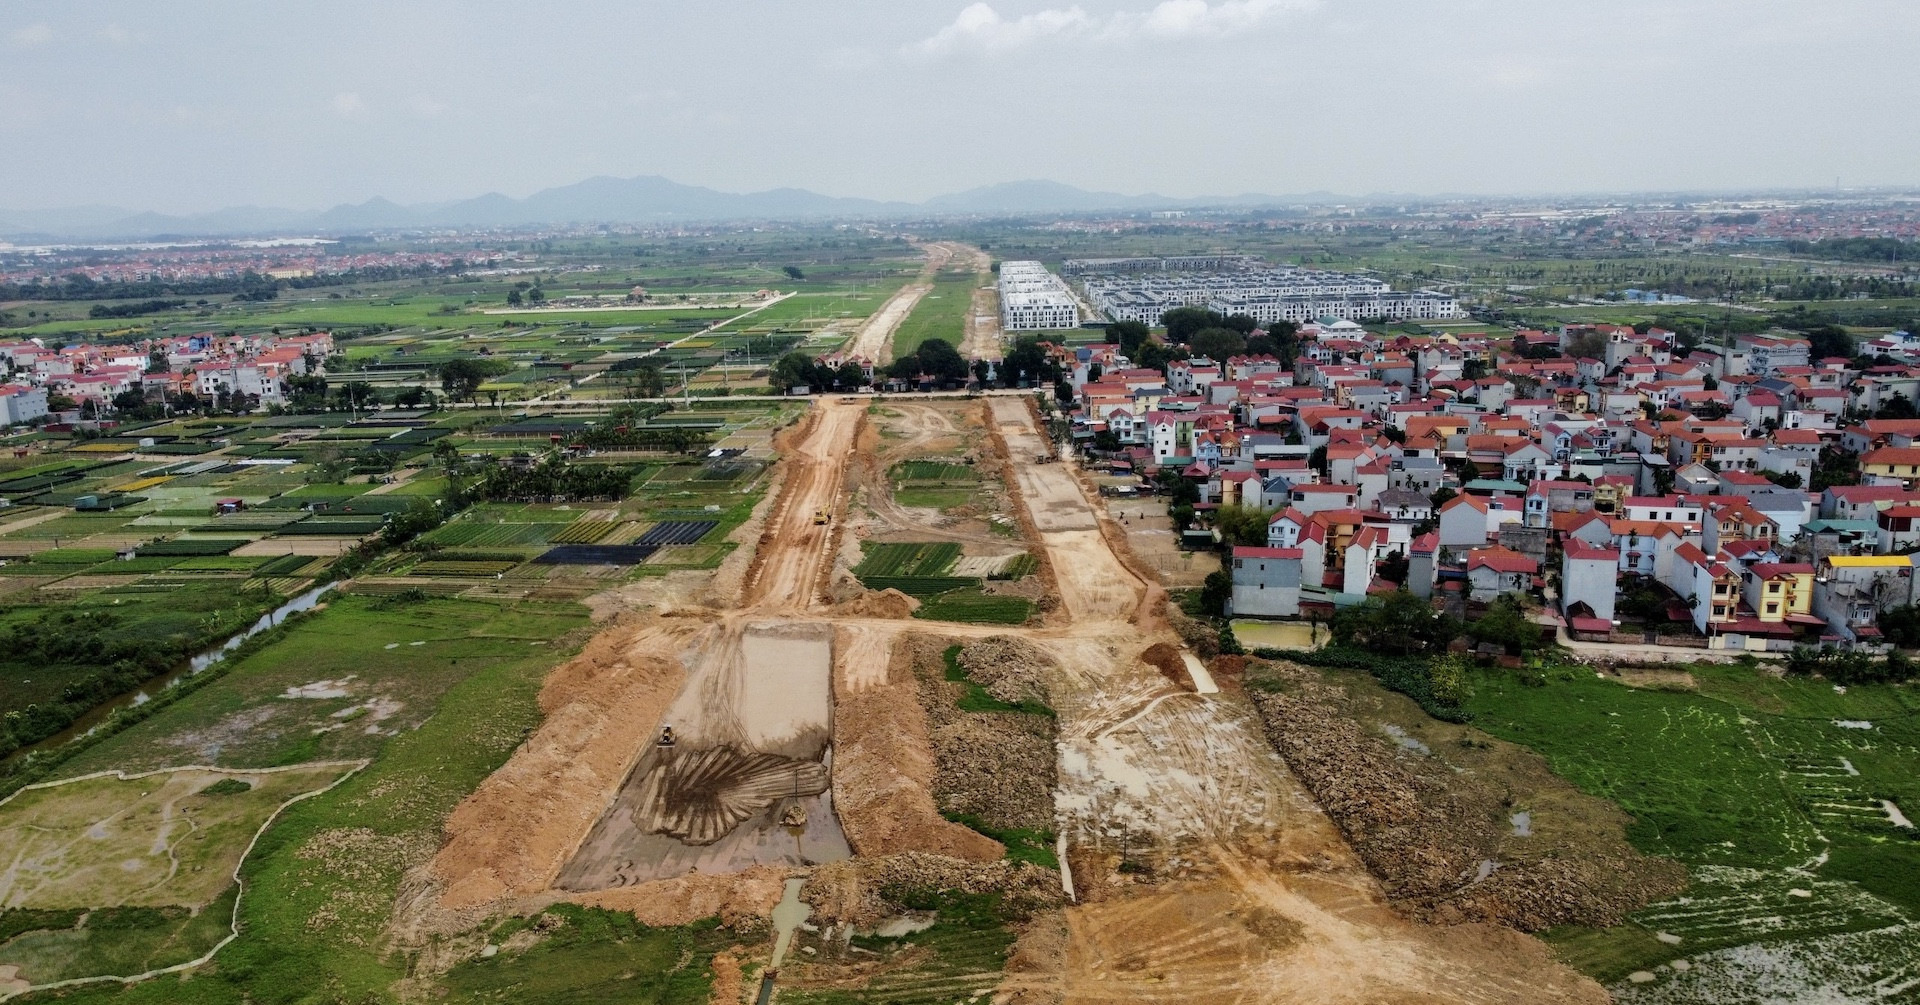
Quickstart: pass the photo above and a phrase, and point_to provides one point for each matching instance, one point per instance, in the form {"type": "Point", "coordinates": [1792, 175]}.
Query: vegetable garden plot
{"type": "Point", "coordinates": [597, 554]}
{"type": "Point", "coordinates": [676, 532]}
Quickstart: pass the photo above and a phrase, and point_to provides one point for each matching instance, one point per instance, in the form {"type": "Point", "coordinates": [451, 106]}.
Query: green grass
{"type": "Point", "coordinates": [933, 498]}
{"type": "Point", "coordinates": [976, 699]}
{"type": "Point", "coordinates": [965, 950]}
{"type": "Point", "coordinates": [907, 560]}
{"type": "Point", "coordinates": [973, 606]}
{"type": "Point", "coordinates": [241, 720]}
{"type": "Point", "coordinates": [121, 941]}
{"type": "Point", "coordinates": [596, 956]}
{"type": "Point", "coordinates": [1749, 782]}
{"type": "Point", "coordinates": [941, 313]}
{"type": "Point", "coordinates": [933, 471]}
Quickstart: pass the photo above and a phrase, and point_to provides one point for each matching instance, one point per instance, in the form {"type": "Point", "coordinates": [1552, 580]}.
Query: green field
{"type": "Point", "coordinates": [1769, 790]}
{"type": "Point", "coordinates": [322, 881]}
{"type": "Point", "coordinates": [941, 313]}
{"type": "Point", "coordinates": [907, 560]}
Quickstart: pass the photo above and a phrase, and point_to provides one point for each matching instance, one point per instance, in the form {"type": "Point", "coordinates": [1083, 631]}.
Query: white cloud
{"type": "Point", "coordinates": [426, 106]}
{"type": "Point", "coordinates": [116, 34]}
{"type": "Point", "coordinates": [33, 34]}
{"type": "Point", "coordinates": [981, 28]}
{"type": "Point", "coordinates": [348, 105]}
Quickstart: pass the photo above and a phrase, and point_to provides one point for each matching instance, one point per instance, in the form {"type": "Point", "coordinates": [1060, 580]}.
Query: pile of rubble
{"type": "Point", "coordinates": [996, 767]}
{"type": "Point", "coordinates": [1441, 840]}
{"type": "Point", "coordinates": [1011, 669]}
{"type": "Point", "coordinates": [864, 890]}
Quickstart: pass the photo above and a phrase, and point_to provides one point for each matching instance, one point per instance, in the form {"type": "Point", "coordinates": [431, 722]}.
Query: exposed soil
{"type": "Point", "coordinates": [997, 767]}
{"type": "Point", "coordinates": [883, 772]}
{"type": "Point", "coordinates": [1458, 826]}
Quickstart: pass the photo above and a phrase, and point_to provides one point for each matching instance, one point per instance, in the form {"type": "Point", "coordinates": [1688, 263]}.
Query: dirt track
{"type": "Point", "coordinates": [874, 340]}
{"type": "Point", "coordinates": [794, 551]}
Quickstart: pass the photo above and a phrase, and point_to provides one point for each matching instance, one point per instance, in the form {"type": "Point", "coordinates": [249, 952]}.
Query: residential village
{"type": "Point", "coordinates": [1628, 489]}
{"type": "Point", "coordinates": [83, 381]}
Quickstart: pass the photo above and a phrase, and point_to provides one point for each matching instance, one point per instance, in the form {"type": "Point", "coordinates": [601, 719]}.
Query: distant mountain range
{"type": "Point", "coordinates": [646, 199]}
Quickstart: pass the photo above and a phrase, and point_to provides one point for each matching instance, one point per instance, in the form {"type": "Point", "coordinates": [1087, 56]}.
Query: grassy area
{"type": "Point", "coordinates": [941, 313]}
{"type": "Point", "coordinates": [360, 673]}
{"type": "Point", "coordinates": [589, 955]}
{"type": "Point", "coordinates": [91, 843]}
{"type": "Point", "coordinates": [976, 699]}
{"type": "Point", "coordinates": [907, 560]}
{"type": "Point", "coordinates": [976, 606]}
{"type": "Point", "coordinates": [1768, 789]}
{"type": "Point", "coordinates": [964, 951]}
{"type": "Point", "coordinates": [322, 880]}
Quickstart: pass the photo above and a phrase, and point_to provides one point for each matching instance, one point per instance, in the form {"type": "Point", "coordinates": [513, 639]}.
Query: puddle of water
{"type": "Point", "coordinates": [787, 916]}
{"type": "Point", "coordinates": [1400, 737]}
{"type": "Point", "coordinates": [1522, 823]}
{"type": "Point", "coordinates": [905, 924]}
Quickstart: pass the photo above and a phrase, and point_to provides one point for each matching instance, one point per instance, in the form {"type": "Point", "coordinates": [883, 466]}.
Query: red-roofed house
{"type": "Point", "coordinates": [1494, 570]}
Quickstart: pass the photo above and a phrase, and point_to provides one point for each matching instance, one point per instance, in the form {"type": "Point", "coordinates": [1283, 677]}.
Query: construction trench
{"type": "Point", "coordinates": [812, 740]}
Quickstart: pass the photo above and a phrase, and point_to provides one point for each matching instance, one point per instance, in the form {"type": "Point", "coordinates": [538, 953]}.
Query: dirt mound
{"type": "Point", "coordinates": [883, 768]}
{"type": "Point", "coordinates": [512, 835]}
{"type": "Point", "coordinates": [887, 603]}
{"type": "Point", "coordinates": [998, 767]}
{"type": "Point", "coordinates": [1011, 669]}
{"type": "Point", "coordinates": [1166, 659]}
{"type": "Point", "coordinates": [1434, 815]}
{"type": "Point", "coordinates": [742, 900]}
{"type": "Point", "coordinates": [865, 890]}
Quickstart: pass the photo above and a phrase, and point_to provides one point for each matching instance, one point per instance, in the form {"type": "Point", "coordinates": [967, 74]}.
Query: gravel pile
{"type": "Point", "coordinates": [996, 766]}
{"type": "Point", "coordinates": [864, 890]}
{"type": "Point", "coordinates": [1011, 669]}
{"type": "Point", "coordinates": [1439, 840]}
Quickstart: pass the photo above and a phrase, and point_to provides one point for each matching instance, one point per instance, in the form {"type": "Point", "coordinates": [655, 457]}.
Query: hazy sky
{"type": "Point", "coordinates": [189, 105]}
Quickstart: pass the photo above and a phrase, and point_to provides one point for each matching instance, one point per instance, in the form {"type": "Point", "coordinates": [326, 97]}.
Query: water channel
{"type": "Point", "coordinates": [153, 688]}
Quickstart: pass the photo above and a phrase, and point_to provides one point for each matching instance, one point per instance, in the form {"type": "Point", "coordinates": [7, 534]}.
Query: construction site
{"type": "Point", "coordinates": [844, 782]}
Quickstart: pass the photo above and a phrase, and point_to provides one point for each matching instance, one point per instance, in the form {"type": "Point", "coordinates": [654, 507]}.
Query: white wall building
{"type": "Point", "coordinates": [1033, 299]}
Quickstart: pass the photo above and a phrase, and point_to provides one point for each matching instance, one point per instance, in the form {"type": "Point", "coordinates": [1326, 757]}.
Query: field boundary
{"type": "Point", "coordinates": [233, 924]}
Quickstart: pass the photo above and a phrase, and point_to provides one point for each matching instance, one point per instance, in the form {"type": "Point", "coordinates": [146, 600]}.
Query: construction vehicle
{"type": "Point", "coordinates": [822, 517]}
{"type": "Point", "coordinates": [666, 737]}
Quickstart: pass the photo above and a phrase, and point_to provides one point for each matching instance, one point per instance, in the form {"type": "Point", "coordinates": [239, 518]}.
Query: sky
{"type": "Point", "coordinates": [192, 105]}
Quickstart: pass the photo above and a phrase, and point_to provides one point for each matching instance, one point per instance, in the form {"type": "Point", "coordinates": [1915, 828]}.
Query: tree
{"type": "Point", "coordinates": [1587, 345]}
{"type": "Point", "coordinates": [849, 376]}
{"type": "Point", "coordinates": [1395, 622]}
{"type": "Point", "coordinates": [1242, 323]}
{"type": "Point", "coordinates": [1215, 591]}
{"type": "Point", "coordinates": [1473, 369]}
{"type": "Point", "coordinates": [1218, 343]}
{"type": "Point", "coordinates": [536, 296]}
{"type": "Point", "coordinates": [1128, 335]}
{"type": "Point", "coordinates": [1505, 625]}
{"type": "Point", "coordinates": [1027, 360]}
{"type": "Point", "coordinates": [1897, 407]}
{"type": "Point", "coordinates": [1242, 525]}
{"type": "Point", "coordinates": [461, 378]}
{"type": "Point", "coordinates": [514, 299]}
{"type": "Point", "coordinates": [1829, 340]}
{"type": "Point", "coordinates": [1182, 323]}
{"type": "Point", "coordinates": [1156, 355]}
{"type": "Point", "coordinates": [793, 272]}
{"type": "Point", "coordinates": [795, 369]}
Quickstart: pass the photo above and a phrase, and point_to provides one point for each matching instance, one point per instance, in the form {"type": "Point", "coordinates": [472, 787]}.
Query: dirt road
{"type": "Point", "coordinates": [795, 550]}
{"type": "Point", "coordinates": [874, 340]}
{"type": "Point", "coordinates": [1094, 583]}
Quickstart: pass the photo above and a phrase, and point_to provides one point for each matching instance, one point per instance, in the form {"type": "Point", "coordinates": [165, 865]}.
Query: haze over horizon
{"type": "Point", "coordinates": [198, 106]}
